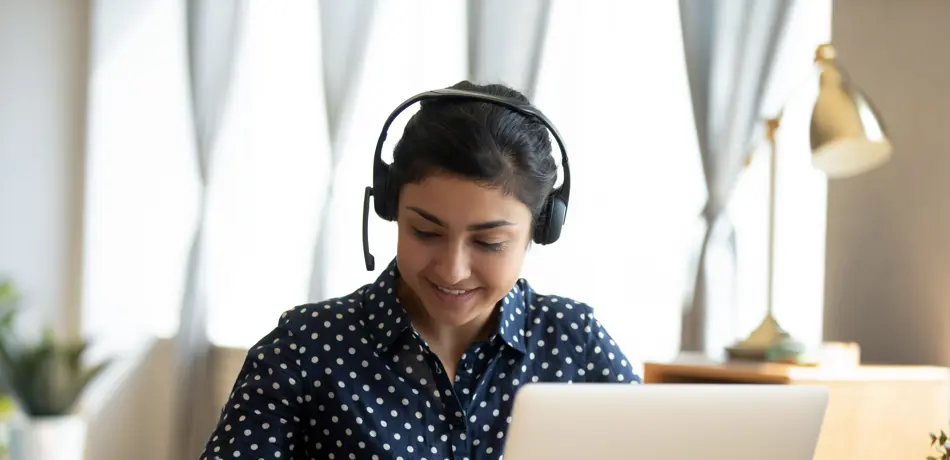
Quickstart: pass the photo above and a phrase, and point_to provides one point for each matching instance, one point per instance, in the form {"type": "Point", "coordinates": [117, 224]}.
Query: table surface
{"type": "Point", "coordinates": [694, 364]}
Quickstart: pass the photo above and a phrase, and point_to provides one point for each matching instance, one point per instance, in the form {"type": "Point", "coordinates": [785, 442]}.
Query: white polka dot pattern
{"type": "Point", "coordinates": [349, 378]}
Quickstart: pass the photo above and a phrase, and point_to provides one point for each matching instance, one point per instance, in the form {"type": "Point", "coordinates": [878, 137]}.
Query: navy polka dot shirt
{"type": "Point", "coordinates": [350, 378]}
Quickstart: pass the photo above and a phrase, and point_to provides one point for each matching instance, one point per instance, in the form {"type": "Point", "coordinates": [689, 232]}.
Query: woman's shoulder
{"type": "Point", "coordinates": [340, 311]}
{"type": "Point", "coordinates": [552, 307]}
{"type": "Point", "coordinates": [562, 326]}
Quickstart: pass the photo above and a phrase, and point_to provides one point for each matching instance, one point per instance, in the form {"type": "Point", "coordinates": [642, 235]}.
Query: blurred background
{"type": "Point", "coordinates": [176, 174]}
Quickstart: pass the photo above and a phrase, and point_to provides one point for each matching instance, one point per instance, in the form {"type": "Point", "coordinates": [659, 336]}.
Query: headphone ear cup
{"type": "Point", "coordinates": [383, 201]}
{"type": "Point", "coordinates": [539, 223]}
{"type": "Point", "coordinates": [548, 228]}
{"type": "Point", "coordinates": [392, 200]}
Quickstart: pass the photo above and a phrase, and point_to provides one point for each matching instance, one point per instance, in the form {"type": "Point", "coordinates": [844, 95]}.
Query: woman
{"type": "Point", "coordinates": [425, 361]}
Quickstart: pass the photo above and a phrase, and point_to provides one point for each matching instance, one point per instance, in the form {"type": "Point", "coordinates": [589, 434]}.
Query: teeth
{"type": "Point", "coordinates": [451, 291]}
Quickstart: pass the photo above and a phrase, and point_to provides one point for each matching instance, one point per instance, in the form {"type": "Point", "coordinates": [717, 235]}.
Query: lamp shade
{"type": "Point", "coordinates": [847, 137]}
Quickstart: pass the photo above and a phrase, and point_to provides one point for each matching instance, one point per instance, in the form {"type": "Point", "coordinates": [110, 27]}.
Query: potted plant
{"type": "Point", "coordinates": [8, 297]}
{"type": "Point", "coordinates": [45, 380]}
{"type": "Point", "coordinates": [939, 442]}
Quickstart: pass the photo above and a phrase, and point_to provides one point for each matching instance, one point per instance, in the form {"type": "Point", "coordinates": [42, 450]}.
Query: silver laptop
{"type": "Point", "coordinates": [665, 421]}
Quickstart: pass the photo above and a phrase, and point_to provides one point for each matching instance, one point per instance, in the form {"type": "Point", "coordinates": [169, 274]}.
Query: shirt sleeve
{"type": "Point", "coordinates": [261, 418]}
{"type": "Point", "coordinates": [606, 361]}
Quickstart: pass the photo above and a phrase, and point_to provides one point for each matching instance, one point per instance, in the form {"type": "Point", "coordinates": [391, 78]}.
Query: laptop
{"type": "Point", "coordinates": [605, 421]}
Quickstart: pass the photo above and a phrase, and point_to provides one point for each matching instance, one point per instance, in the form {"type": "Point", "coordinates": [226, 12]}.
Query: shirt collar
{"type": "Point", "coordinates": [386, 319]}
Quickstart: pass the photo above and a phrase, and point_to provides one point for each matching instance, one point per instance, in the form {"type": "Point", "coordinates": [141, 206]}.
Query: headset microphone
{"type": "Point", "coordinates": [547, 229]}
{"type": "Point", "coordinates": [370, 260]}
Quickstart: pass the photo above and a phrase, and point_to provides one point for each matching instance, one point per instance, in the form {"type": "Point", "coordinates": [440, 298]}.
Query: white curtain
{"type": "Point", "coordinates": [636, 181]}
{"type": "Point", "coordinates": [344, 31]}
{"type": "Point", "coordinates": [801, 193]}
{"type": "Point", "coordinates": [505, 41]}
{"type": "Point", "coordinates": [273, 164]}
{"type": "Point", "coordinates": [730, 49]}
{"type": "Point", "coordinates": [141, 183]}
{"type": "Point", "coordinates": [213, 28]}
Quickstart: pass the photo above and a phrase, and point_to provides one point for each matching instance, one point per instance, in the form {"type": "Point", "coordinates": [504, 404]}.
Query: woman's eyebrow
{"type": "Point", "coordinates": [489, 225]}
{"type": "Point", "coordinates": [426, 215]}
{"type": "Point", "coordinates": [473, 227]}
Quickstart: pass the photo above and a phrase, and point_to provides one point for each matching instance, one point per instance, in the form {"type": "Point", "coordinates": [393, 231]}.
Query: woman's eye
{"type": "Point", "coordinates": [423, 235]}
{"type": "Point", "coordinates": [491, 246]}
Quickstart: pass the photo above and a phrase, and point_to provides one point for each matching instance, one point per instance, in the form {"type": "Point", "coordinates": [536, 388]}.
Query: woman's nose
{"type": "Point", "coordinates": [454, 265]}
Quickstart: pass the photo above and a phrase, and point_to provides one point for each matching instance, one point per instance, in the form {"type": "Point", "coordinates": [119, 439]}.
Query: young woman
{"type": "Point", "coordinates": [425, 361]}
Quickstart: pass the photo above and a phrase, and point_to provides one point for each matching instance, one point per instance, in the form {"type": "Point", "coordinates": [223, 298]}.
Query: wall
{"type": "Point", "coordinates": [44, 63]}
{"type": "Point", "coordinates": [130, 408]}
{"type": "Point", "coordinates": [888, 246]}
{"type": "Point", "coordinates": [43, 68]}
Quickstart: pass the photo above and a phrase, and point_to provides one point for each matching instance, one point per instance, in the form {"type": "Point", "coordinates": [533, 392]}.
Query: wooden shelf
{"type": "Point", "coordinates": [883, 412]}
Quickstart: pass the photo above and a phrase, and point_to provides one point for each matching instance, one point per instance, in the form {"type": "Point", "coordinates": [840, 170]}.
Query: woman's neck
{"type": "Point", "coordinates": [443, 338]}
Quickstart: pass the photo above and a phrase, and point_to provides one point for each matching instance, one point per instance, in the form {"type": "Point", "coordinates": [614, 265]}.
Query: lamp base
{"type": "Point", "coordinates": [768, 342]}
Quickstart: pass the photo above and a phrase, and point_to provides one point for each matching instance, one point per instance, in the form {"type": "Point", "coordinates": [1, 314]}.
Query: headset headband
{"type": "Point", "coordinates": [564, 191]}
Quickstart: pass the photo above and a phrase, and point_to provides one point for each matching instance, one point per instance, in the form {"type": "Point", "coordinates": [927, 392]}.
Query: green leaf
{"type": "Point", "coordinates": [47, 377]}
{"type": "Point", "coordinates": [43, 378]}
{"type": "Point", "coordinates": [943, 438]}
{"type": "Point", "coordinates": [8, 292]}
{"type": "Point", "coordinates": [6, 319]}
{"type": "Point", "coordinates": [7, 408]}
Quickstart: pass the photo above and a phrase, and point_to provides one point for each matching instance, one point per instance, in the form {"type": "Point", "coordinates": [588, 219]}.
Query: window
{"type": "Point", "coordinates": [268, 175]}
{"type": "Point", "coordinates": [636, 178]}
{"type": "Point", "coordinates": [624, 112]}
{"type": "Point", "coordinates": [140, 185]}
{"type": "Point", "coordinates": [801, 196]}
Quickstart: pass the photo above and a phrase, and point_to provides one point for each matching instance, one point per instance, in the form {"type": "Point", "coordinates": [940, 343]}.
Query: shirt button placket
{"type": "Point", "coordinates": [458, 425]}
{"type": "Point", "coordinates": [454, 415]}
{"type": "Point", "coordinates": [459, 439]}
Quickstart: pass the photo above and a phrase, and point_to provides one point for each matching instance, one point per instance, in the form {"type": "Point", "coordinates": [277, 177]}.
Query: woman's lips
{"type": "Point", "coordinates": [453, 297]}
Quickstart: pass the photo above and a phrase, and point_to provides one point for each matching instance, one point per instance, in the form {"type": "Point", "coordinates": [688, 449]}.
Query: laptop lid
{"type": "Point", "coordinates": [665, 421]}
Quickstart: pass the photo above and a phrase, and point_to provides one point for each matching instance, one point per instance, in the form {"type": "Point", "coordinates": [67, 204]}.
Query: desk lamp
{"type": "Point", "coordinates": [847, 139]}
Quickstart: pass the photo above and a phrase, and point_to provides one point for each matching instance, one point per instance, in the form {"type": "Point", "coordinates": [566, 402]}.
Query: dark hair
{"type": "Point", "coordinates": [481, 141]}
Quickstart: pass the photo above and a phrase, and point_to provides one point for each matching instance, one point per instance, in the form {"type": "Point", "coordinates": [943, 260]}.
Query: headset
{"type": "Point", "coordinates": [386, 192]}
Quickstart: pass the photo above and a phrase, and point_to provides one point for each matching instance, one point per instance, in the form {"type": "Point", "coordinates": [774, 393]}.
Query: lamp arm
{"type": "Point", "coordinates": [773, 125]}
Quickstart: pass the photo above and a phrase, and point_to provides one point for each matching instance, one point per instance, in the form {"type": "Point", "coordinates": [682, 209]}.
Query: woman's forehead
{"type": "Point", "coordinates": [462, 201]}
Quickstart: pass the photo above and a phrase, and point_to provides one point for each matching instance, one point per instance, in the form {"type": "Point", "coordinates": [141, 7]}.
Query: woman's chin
{"type": "Point", "coordinates": [453, 309]}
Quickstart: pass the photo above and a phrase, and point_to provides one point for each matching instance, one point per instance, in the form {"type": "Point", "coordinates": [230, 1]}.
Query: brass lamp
{"type": "Point", "coordinates": [846, 133]}
{"type": "Point", "coordinates": [847, 139]}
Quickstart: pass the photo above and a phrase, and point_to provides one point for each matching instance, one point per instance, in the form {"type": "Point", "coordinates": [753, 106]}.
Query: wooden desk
{"type": "Point", "coordinates": [879, 412]}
